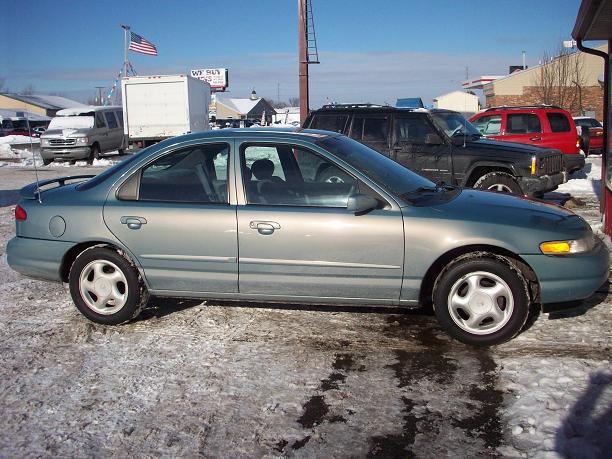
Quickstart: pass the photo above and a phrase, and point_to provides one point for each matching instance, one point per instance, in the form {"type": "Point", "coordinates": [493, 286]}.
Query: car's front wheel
{"type": "Point", "coordinates": [481, 300]}
{"type": "Point", "coordinates": [500, 182]}
{"type": "Point", "coordinates": [106, 287]}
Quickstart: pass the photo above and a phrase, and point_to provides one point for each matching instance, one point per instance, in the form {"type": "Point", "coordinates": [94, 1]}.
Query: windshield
{"type": "Point", "coordinates": [71, 122]}
{"type": "Point", "coordinates": [454, 124]}
{"type": "Point", "coordinates": [385, 172]}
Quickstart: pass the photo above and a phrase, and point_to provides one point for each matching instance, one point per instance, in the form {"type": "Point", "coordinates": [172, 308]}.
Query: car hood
{"type": "Point", "coordinates": [65, 132]}
{"type": "Point", "coordinates": [513, 222]}
{"type": "Point", "coordinates": [511, 147]}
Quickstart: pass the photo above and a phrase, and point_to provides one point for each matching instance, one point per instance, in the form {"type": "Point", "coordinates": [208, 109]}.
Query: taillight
{"type": "Point", "coordinates": [578, 142]}
{"type": "Point", "coordinates": [20, 214]}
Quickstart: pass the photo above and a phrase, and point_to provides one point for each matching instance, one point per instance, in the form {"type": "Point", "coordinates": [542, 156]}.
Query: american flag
{"type": "Point", "coordinates": [142, 45]}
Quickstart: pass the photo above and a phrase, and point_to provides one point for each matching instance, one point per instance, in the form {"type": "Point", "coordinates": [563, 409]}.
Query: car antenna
{"type": "Point", "coordinates": [33, 154]}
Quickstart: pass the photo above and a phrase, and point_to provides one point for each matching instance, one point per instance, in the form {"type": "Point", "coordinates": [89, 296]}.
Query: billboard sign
{"type": "Point", "coordinates": [216, 78]}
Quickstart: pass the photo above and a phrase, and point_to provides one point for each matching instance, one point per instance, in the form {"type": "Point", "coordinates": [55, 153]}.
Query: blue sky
{"type": "Point", "coordinates": [370, 51]}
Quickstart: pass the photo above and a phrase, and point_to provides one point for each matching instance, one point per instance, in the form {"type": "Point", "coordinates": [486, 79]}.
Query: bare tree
{"type": "Point", "coordinates": [294, 101]}
{"type": "Point", "coordinates": [2, 81]}
{"type": "Point", "coordinates": [28, 90]}
{"type": "Point", "coordinates": [561, 79]}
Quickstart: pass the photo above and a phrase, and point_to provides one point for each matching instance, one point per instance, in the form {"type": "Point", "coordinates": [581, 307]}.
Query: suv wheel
{"type": "Point", "coordinates": [95, 153]}
{"type": "Point", "coordinates": [481, 301]}
{"type": "Point", "coordinates": [500, 182]}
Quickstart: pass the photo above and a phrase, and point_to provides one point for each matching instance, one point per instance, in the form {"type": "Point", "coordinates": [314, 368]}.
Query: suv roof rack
{"type": "Point", "coordinates": [522, 107]}
{"type": "Point", "coordinates": [353, 106]}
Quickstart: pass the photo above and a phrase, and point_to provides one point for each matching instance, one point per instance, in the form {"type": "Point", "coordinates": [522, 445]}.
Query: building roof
{"type": "Point", "coordinates": [7, 113]}
{"type": "Point", "coordinates": [594, 20]}
{"type": "Point", "coordinates": [463, 93]}
{"type": "Point", "coordinates": [46, 102]}
{"type": "Point", "coordinates": [242, 106]}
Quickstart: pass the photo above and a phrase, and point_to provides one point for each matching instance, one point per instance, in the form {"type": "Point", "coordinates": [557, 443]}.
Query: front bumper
{"type": "Point", "coordinates": [573, 162]}
{"type": "Point", "coordinates": [543, 184]}
{"type": "Point", "coordinates": [37, 258]}
{"type": "Point", "coordinates": [570, 278]}
{"type": "Point", "coordinates": [68, 153]}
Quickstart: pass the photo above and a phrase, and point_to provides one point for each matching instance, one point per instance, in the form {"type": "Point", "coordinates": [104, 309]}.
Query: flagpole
{"type": "Point", "coordinates": [126, 62]}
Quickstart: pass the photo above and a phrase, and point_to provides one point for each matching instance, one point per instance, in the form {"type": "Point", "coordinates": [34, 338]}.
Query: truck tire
{"type": "Point", "coordinates": [500, 182]}
{"type": "Point", "coordinates": [95, 153]}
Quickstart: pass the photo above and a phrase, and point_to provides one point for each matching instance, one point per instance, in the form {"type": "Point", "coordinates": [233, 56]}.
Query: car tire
{"type": "Point", "coordinates": [481, 300]}
{"type": "Point", "coordinates": [106, 287]}
{"type": "Point", "coordinates": [499, 182]}
{"type": "Point", "coordinates": [46, 161]}
{"type": "Point", "coordinates": [94, 154]}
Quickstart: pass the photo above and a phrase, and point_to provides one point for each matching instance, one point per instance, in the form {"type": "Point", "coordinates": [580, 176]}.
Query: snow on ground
{"type": "Point", "coordinates": [224, 380]}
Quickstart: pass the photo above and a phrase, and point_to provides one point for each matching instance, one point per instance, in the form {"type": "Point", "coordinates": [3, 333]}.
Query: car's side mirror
{"type": "Point", "coordinates": [361, 203]}
{"type": "Point", "coordinates": [433, 139]}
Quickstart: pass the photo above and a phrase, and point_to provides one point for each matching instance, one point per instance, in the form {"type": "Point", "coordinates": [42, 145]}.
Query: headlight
{"type": "Point", "coordinates": [83, 140]}
{"type": "Point", "coordinates": [581, 245]}
{"type": "Point", "coordinates": [45, 142]}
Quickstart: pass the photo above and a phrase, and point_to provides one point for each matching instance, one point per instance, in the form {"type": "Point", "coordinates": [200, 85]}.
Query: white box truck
{"type": "Point", "coordinates": [159, 107]}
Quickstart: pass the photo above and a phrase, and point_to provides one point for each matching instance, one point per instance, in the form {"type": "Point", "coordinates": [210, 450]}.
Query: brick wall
{"type": "Point", "coordinates": [592, 100]}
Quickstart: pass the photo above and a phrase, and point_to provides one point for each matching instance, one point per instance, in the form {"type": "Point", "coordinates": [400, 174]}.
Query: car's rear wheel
{"type": "Point", "coordinates": [106, 287]}
{"type": "Point", "coordinates": [94, 154]}
{"type": "Point", "coordinates": [481, 300]}
{"type": "Point", "coordinates": [500, 182]}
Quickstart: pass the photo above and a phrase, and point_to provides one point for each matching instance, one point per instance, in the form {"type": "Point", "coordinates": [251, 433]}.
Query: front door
{"type": "Point", "coordinates": [297, 238]}
{"type": "Point", "coordinates": [179, 224]}
{"type": "Point", "coordinates": [412, 148]}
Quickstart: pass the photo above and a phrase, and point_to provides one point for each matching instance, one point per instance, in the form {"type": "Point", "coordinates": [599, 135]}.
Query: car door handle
{"type": "Point", "coordinates": [133, 222]}
{"type": "Point", "coordinates": [535, 139]}
{"type": "Point", "coordinates": [264, 227]}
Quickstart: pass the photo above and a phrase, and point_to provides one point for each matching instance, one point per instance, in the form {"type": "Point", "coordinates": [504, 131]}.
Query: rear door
{"type": "Point", "coordinates": [561, 133]}
{"type": "Point", "coordinates": [372, 130]}
{"type": "Point", "coordinates": [174, 216]}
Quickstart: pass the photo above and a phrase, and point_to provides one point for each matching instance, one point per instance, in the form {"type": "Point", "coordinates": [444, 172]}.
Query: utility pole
{"type": "Point", "coordinates": [126, 62]}
{"type": "Point", "coordinates": [99, 88]}
{"type": "Point", "coordinates": [308, 53]}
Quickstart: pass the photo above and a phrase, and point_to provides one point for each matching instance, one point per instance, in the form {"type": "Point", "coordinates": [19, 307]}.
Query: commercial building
{"type": "Point", "coordinates": [38, 103]}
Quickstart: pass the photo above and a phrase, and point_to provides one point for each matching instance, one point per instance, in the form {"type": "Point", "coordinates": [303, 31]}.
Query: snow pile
{"type": "Point", "coordinates": [585, 181]}
{"type": "Point", "coordinates": [574, 398]}
{"type": "Point", "coordinates": [18, 139]}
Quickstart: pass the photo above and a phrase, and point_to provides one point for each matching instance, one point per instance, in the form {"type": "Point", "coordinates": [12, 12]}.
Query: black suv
{"type": "Point", "coordinates": [443, 146]}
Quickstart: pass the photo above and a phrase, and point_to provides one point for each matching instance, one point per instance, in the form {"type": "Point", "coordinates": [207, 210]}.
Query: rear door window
{"type": "Point", "coordinates": [558, 122]}
{"type": "Point", "coordinates": [110, 119]}
{"type": "Point", "coordinates": [370, 129]}
{"type": "Point", "coordinates": [335, 123]}
{"type": "Point", "coordinates": [523, 123]}
{"type": "Point", "coordinates": [413, 130]}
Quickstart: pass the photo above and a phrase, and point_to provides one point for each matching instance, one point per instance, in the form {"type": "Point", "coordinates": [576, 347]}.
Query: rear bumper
{"type": "Point", "coordinates": [570, 278]}
{"type": "Point", "coordinates": [533, 185]}
{"type": "Point", "coordinates": [65, 153]}
{"type": "Point", "coordinates": [573, 162]}
{"type": "Point", "coordinates": [37, 258]}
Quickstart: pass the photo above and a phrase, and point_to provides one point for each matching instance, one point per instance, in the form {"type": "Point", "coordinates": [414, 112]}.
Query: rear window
{"type": "Point", "coordinates": [335, 123]}
{"type": "Point", "coordinates": [119, 167]}
{"type": "Point", "coordinates": [558, 122]}
{"type": "Point", "coordinates": [523, 123]}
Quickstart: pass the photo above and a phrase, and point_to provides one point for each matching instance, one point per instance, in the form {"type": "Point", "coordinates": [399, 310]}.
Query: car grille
{"type": "Point", "coordinates": [551, 164]}
{"type": "Point", "coordinates": [62, 142]}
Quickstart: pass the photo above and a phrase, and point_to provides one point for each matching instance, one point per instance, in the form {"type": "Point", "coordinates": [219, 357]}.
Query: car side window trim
{"type": "Point", "coordinates": [129, 189]}
{"type": "Point", "coordinates": [242, 161]}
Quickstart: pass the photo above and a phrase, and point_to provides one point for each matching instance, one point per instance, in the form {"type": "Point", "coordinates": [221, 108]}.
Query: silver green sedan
{"type": "Point", "coordinates": [300, 217]}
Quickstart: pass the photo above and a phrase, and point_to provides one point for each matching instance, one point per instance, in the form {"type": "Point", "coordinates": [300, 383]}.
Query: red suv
{"type": "Point", "coordinates": [542, 125]}
{"type": "Point", "coordinates": [594, 139]}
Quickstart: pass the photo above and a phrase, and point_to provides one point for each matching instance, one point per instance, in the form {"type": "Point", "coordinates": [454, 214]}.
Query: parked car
{"type": "Point", "coordinates": [443, 146]}
{"type": "Point", "coordinates": [245, 215]}
{"type": "Point", "coordinates": [38, 131]}
{"type": "Point", "coordinates": [83, 133]}
{"type": "Point", "coordinates": [541, 125]}
{"type": "Point", "coordinates": [594, 131]}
